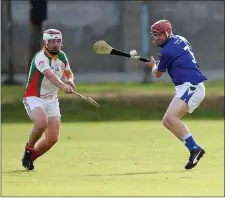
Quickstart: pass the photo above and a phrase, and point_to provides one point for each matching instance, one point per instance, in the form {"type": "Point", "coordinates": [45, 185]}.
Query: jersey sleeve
{"type": "Point", "coordinates": [163, 62]}
{"type": "Point", "coordinates": [42, 64]}
{"type": "Point", "coordinates": [67, 64]}
{"type": "Point", "coordinates": [62, 56]}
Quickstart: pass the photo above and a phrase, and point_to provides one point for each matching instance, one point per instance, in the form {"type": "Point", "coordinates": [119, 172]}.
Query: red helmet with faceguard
{"type": "Point", "coordinates": [161, 26]}
{"type": "Point", "coordinates": [161, 31]}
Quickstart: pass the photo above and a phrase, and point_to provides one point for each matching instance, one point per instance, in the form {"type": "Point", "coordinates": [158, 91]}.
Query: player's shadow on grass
{"type": "Point", "coordinates": [137, 173]}
{"type": "Point", "coordinates": [17, 171]}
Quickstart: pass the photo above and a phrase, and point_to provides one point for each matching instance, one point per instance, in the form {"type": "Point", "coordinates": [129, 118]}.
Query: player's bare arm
{"type": "Point", "coordinates": [56, 80]}
{"type": "Point", "coordinates": [69, 77]}
{"type": "Point", "coordinates": [152, 64]}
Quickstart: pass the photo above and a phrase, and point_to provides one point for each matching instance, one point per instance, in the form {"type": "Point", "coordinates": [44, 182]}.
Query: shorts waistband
{"type": "Point", "coordinates": [177, 84]}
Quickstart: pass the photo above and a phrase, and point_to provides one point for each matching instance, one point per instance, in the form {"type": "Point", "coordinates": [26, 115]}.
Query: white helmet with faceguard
{"type": "Point", "coordinates": [52, 40]}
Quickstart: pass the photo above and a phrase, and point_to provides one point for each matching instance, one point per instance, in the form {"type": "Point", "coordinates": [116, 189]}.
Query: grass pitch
{"type": "Point", "coordinates": [138, 158]}
{"type": "Point", "coordinates": [15, 93]}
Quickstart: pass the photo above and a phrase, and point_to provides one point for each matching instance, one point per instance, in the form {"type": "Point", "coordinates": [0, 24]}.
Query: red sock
{"type": "Point", "coordinates": [34, 155]}
{"type": "Point", "coordinates": [28, 148]}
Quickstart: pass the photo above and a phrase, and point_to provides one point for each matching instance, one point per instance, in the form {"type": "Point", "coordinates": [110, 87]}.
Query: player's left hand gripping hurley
{"type": "Point", "coordinates": [101, 47]}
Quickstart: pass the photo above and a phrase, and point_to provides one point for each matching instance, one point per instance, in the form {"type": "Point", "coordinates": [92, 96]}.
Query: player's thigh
{"type": "Point", "coordinates": [52, 132]}
{"type": "Point", "coordinates": [54, 120]}
{"type": "Point", "coordinates": [177, 108]}
{"type": "Point", "coordinates": [39, 117]}
{"type": "Point", "coordinates": [35, 110]}
{"type": "Point", "coordinates": [53, 109]}
{"type": "Point", "coordinates": [192, 95]}
{"type": "Point", "coordinates": [197, 97]}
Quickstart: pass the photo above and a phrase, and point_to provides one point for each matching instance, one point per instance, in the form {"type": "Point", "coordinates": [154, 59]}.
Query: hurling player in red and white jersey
{"type": "Point", "coordinates": [40, 100]}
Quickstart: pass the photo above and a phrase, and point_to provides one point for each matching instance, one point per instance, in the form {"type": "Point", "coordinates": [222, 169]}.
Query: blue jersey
{"type": "Point", "coordinates": [178, 58]}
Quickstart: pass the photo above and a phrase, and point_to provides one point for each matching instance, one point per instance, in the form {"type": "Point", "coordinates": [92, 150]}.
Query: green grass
{"type": "Point", "coordinates": [138, 158]}
{"type": "Point", "coordinates": [15, 93]}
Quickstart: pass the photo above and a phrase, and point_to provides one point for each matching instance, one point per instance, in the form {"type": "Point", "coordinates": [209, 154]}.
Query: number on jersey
{"type": "Point", "coordinates": [188, 48]}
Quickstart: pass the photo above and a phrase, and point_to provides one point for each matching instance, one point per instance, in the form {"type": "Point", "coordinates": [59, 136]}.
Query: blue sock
{"type": "Point", "coordinates": [190, 142]}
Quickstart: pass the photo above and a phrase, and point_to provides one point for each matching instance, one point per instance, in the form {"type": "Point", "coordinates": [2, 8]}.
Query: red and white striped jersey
{"type": "Point", "coordinates": [38, 85]}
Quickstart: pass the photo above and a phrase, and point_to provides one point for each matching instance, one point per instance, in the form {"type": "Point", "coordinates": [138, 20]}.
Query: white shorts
{"type": "Point", "coordinates": [193, 95]}
{"type": "Point", "coordinates": [51, 106]}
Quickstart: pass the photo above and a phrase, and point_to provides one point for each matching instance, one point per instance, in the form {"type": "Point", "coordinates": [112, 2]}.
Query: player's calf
{"type": "Point", "coordinates": [175, 125]}
{"type": "Point", "coordinates": [51, 135]}
{"type": "Point", "coordinates": [52, 141]}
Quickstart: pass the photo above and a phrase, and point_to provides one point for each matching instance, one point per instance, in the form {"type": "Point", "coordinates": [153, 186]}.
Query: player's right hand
{"type": "Point", "coordinates": [71, 83]}
{"type": "Point", "coordinates": [68, 89]}
{"type": "Point", "coordinates": [152, 62]}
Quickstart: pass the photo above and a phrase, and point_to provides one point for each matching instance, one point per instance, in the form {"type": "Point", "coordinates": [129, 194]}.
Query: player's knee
{"type": "Point", "coordinates": [167, 121]}
{"type": "Point", "coordinates": [164, 122]}
{"type": "Point", "coordinates": [42, 125]}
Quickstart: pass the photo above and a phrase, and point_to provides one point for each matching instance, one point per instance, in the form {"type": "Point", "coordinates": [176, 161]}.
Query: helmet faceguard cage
{"type": "Point", "coordinates": [52, 40]}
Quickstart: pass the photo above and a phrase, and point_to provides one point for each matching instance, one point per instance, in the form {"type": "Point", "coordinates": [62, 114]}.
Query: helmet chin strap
{"type": "Point", "coordinates": [167, 35]}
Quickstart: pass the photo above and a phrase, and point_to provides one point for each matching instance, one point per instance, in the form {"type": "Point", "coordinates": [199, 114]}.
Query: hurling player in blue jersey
{"type": "Point", "coordinates": [176, 56]}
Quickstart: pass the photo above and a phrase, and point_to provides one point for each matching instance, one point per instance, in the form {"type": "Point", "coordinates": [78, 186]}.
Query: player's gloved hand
{"type": "Point", "coordinates": [67, 89]}
{"type": "Point", "coordinates": [71, 83]}
{"type": "Point", "coordinates": [152, 62]}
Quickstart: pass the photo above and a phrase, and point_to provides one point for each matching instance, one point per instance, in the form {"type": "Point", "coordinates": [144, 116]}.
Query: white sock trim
{"type": "Point", "coordinates": [186, 137]}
